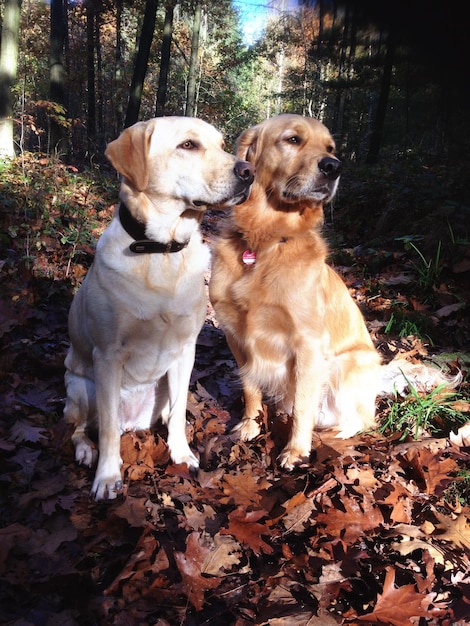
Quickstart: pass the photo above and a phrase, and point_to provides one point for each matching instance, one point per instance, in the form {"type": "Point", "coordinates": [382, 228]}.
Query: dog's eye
{"type": "Point", "coordinates": [330, 149]}
{"type": "Point", "coordinates": [189, 145]}
{"type": "Point", "coordinates": [295, 139]}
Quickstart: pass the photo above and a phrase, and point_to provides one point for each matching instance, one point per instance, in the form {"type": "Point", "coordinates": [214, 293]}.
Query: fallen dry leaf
{"type": "Point", "coordinates": [190, 565]}
{"type": "Point", "coordinates": [435, 472]}
{"type": "Point", "coordinates": [397, 606]}
{"type": "Point", "coordinates": [359, 517]}
{"type": "Point", "coordinates": [9, 537]}
{"type": "Point", "coordinates": [243, 488]}
{"type": "Point", "coordinates": [140, 452]}
{"type": "Point", "coordinates": [462, 437]}
{"type": "Point", "coordinates": [22, 430]}
{"type": "Point", "coordinates": [244, 526]}
{"type": "Point", "coordinates": [224, 555]}
{"type": "Point", "coordinates": [197, 515]}
{"type": "Point", "coordinates": [457, 531]}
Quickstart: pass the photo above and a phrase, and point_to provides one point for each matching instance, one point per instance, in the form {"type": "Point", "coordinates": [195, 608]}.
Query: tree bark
{"type": "Point", "coordinates": [190, 108]}
{"type": "Point", "coordinates": [118, 109]}
{"type": "Point", "coordinates": [141, 62]}
{"type": "Point", "coordinates": [100, 87]}
{"type": "Point", "coordinates": [376, 136]}
{"type": "Point", "coordinates": [90, 61]}
{"type": "Point", "coordinates": [8, 72]}
{"type": "Point", "coordinates": [165, 59]}
{"type": "Point", "coordinates": [58, 128]}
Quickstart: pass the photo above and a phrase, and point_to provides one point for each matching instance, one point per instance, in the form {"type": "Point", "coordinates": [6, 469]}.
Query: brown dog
{"type": "Point", "coordinates": [134, 322]}
{"type": "Point", "coordinates": [295, 331]}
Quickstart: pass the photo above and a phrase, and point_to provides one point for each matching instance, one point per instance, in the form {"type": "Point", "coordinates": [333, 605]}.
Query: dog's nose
{"type": "Point", "coordinates": [245, 171]}
{"type": "Point", "coordinates": [330, 167]}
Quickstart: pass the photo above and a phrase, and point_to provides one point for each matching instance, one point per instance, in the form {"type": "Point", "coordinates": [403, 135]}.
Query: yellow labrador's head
{"type": "Point", "coordinates": [182, 160]}
{"type": "Point", "coordinates": [294, 159]}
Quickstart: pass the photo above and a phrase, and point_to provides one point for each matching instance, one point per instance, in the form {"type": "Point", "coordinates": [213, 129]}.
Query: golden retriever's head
{"type": "Point", "coordinates": [294, 160]}
{"type": "Point", "coordinates": [181, 160]}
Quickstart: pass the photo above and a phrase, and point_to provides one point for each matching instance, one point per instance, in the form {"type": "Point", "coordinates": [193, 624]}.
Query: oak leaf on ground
{"type": "Point", "coordinates": [147, 557]}
{"type": "Point", "coordinates": [140, 452]}
{"type": "Point", "coordinates": [223, 556]}
{"type": "Point", "coordinates": [190, 565]}
{"type": "Point", "coordinates": [397, 605]}
{"type": "Point", "coordinates": [243, 488]}
{"type": "Point", "coordinates": [457, 531]}
{"type": "Point", "coordinates": [245, 527]}
{"type": "Point", "coordinates": [359, 517]}
{"type": "Point", "coordinates": [432, 469]}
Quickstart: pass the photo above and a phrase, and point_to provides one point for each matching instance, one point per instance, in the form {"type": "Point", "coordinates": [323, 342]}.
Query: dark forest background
{"type": "Point", "coordinates": [388, 78]}
{"type": "Point", "coordinates": [384, 76]}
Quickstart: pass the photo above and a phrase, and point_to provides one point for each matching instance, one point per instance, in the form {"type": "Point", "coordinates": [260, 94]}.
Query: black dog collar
{"type": "Point", "coordinates": [141, 244]}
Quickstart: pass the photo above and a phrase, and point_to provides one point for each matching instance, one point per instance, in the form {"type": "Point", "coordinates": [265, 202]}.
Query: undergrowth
{"type": "Point", "coordinates": [51, 215]}
{"type": "Point", "coordinates": [435, 413]}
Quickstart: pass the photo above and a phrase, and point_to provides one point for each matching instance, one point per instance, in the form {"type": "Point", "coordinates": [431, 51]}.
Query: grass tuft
{"type": "Point", "coordinates": [435, 413]}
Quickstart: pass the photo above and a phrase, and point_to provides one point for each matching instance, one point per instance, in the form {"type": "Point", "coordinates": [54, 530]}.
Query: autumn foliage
{"type": "Point", "coordinates": [372, 531]}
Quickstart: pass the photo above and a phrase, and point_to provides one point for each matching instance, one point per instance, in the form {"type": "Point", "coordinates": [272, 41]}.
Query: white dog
{"type": "Point", "coordinates": [134, 322]}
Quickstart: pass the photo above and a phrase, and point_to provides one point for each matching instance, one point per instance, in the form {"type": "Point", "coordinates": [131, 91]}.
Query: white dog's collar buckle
{"type": "Point", "coordinates": [147, 246]}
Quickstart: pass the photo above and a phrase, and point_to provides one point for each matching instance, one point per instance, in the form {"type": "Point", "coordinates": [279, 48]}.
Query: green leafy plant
{"type": "Point", "coordinates": [405, 325]}
{"type": "Point", "coordinates": [428, 271]}
{"type": "Point", "coordinates": [434, 413]}
{"type": "Point", "coordinates": [51, 213]}
{"type": "Point", "coordinates": [458, 491]}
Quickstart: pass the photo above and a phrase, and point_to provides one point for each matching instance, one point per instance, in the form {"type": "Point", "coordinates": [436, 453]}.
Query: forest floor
{"type": "Point", "coordinates": [374, 530]}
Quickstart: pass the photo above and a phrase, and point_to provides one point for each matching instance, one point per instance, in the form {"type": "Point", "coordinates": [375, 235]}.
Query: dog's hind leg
{"type": "Point", "coordinates": [162, 401]}
{"type": "Point", "coordinates": [79, 410]}
{"type": "Point", "coordinates": [353, 391]}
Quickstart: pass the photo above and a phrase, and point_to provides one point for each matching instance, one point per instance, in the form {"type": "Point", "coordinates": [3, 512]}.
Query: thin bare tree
{"type": "Point", "coordinates": [8, 72]}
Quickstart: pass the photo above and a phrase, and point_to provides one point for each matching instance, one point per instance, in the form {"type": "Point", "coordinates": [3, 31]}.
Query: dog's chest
{"type": "Point", "coordinates": [273, 300]}
{"type": "Point", "coordinates": [149, 286]}
{"type": "Point", "coordinates": [157, 336]}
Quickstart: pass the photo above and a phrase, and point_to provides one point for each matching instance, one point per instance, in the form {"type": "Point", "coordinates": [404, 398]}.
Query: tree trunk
{"type": "Point", "coordinates": [58, 126]}
{"type": "Point", "coordinates": [118, 109]}
{"type": "Point", "coordinates": [141, 62]}
{"type": "Point", "coordinates": [379, 120]}
{"type": "Point", "coordinates": [100, 80]}
{"type": "Point", "coordinates": [90, 61]}
{"type": "Point", "coordinates": [345, 108]}
{"type": "Point", "coordinates": [340, 93]}
{"type": "Point", "coordinates": [165, 59]}
{"type": "Point", "coordinates": [8, 71]}
{"type": "Point", "coordinates": [192, 73]}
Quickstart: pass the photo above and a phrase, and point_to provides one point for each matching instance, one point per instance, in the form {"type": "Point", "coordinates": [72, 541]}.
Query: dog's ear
{"type": "Point", "coordinates": [247, 145]}
{"type": "Point", "coordinates": [129, 154]}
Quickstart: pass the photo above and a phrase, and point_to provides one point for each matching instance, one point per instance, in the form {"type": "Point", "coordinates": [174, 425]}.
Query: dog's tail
{"type": "Point", "coordinates": [400, 375]}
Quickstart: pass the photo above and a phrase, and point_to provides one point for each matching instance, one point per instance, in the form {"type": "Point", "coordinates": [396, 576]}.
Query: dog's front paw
{"type": "Point", "coordinates": [292, 456]}
{"type": "Point", "coordinates": [247, 429]}
{"type": "Point", "coordinates": [184, 455]}
{"type": "Point", "coordinates": [108, 482]}
{"type": "Point", "coordinates": [106, 488]}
